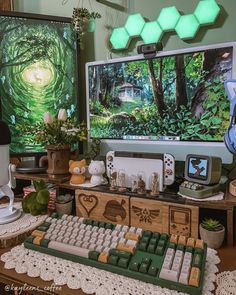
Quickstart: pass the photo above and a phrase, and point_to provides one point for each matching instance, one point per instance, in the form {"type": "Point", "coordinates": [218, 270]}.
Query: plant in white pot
{"type": "Point", "coordinates": [212, 232]}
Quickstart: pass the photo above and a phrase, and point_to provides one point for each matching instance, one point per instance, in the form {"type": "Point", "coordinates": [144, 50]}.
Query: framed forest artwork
{"type": "Point", "coordinates": [6, 5]}
{"type": "Point", "coordinates": [38, 72]}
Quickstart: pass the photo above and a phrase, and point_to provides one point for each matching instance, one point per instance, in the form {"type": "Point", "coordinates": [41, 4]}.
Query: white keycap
{"type": "Point", "coordinates": [177, 260]}
{"type": "Point", "coordinates": [69, 217]}
{"type": "Point", "coordinates": [64, 217]}
{"type": "Point", "coordinates": [99, 242]}
{"type": "Point", "coordinates": [59, 239]}
{"type": "Point", "coordinates": [65, 222]}
{"type": "Point", "coordinates": [101, 236]}
{"type": "Point", "coordinates": [106, 243]}
{"type": "Point", "coordinates": [59, 221]}
{"type": "Point", "coordinates": [169, 275]}
{"type": "Point", "coordinates": [170, 252]}
{"type": "Point", "coordinates": [118, 227]}
{"type": "Point", "coordinates": [49, 219]}
{"type": "Point", "coordinates": [79, 238]}
{"type": "Point", "coordinates": [106, 249]}
{"type": "Point", "coordinates": [94, 234]}
{"type": "Point", "coordinates": [176, 267]}
{"type": "Point", "coordinates": [75, 218]}
{"type": "Point", "coordinates": [53, 237]}
{"type": "Point", "coordinates": [78, 243]}
{"type": "Point", "coordinates": [179, 253]}
{"type": "Point", "coordinates": [47, 236]}
{"type": "Point", "coordinates": [186, 262]}
{"type": "Point", "coordinates": [64, 227]}
{"type": "Point", "coordinates": [107, 237]}
{"type": "Point", "coordinates": [73, 236]}
{"type": "Point", "coordinates": [108, 231]}
{"type": "Point", "coordinates": [114, 239]}
{"type": "Point", "coordinates": [122, 241]}
{"type": "Point", "coordinates": [71, 223]}
{"type": "Point", "coordinates": [185, 268]}
{"type": "Point", "coordinates": [125, 228]}
{"type": "Point", "coordinates": [81, 220]}
{"type": "Point", "coordinates": [121, 234]}
{"type": "Point", "coordinates": [86, 239]}
{"type": "Point", "coordinates": [166, 264]}
{"type": "Point", "coordinates": [183, 278]}
{"type": "Point", "coordinates": [77, 225]}
{"type": "Point", "coordinates": [131, 243]}
{"type": "Point", "coordinates": [95, 228]}
{"type": "Point", "coordinates": [83, 226]}
{"type": "Point", "coordinates": [68, 249]}
{"type": "Point", "coordinates": [82, 232]}
{"type": "Point", "coordinates": [72, 241]}
{"type": "Point", "coordinates": [67, 234]}
{"type": "Point", "coordinates": [101, 230]}
{"type": "Point", "coordinates": [188, 255]}
{"type": "Point", "coordinates": [65, 240]}
{"type": "Point", "coordinates": [114, 233]}
{"type": "Point", "coordinates": [75, 230]}
{"type": "Point", "coordinates": [88, 233]}
{"type": "Point", "coordinates": [85, 245]}
{"type": "Point", "coordinates": [92, 247]}
{"type": "Point", "coordinates": [100, 248]}
{"type": "Point", "coordinates": [139, 231]}
{"type": "Point", "coordinates": [54, 220]}
{"type": "Point", "coordinates": [88, 227]}
{"type": "Point", "coordinates": [132, 229]}
{"type": "Point", "coordinates": [113, 245]}
{"type": "Point", "coordinates": [93, 240]}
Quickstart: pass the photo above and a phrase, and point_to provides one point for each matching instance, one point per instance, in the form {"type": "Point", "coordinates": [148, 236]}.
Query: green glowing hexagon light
{"type": "Point", "coordinates": [187, 26]}
{"type": "Point", "coordinates": [151, 32]}
{"type": "Point", "coordinates": [134, 24]}
{"type": "Point", "coordinates": [207, 11]}
{"type": "Point", "coordinates": [168, 18]}
{"type": "Point", "coordinates": [119, 38]}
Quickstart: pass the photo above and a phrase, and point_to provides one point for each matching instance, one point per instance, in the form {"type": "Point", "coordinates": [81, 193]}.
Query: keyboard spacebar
{"type": "Point", "coordinates": [66, 248]}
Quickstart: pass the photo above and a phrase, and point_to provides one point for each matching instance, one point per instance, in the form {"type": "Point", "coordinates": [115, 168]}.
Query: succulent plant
{"type": "Point", "coordinates": [211, 224]}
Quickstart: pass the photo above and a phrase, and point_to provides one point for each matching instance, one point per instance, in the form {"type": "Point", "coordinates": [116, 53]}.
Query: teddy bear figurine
{"type": "Point", "coordinates": [77, 170]}
{"type": "Point", "coordinates": [97, 169]}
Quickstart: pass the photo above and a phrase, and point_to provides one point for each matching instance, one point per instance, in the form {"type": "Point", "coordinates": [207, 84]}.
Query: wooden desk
{"type": "Point", "coordinates": [226, 254]}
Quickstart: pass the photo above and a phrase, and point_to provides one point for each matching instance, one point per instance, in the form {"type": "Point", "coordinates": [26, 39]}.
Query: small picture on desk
{"type": "Point", "coordinates": [198, 168]}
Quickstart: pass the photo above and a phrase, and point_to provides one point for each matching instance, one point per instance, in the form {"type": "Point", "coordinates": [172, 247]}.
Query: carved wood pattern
{"type": "Point", "coordinates": [88, 202]}
{"type": "Point", "coordinates": [145, 215]}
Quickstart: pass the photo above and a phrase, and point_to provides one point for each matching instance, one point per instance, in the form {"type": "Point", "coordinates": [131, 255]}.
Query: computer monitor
{"type": "Point", "coordinates": [38, 73]}
{"type": "Point", "coordinates": [172, 103]}
{"type": "Point", "coordinates": [203, 169]}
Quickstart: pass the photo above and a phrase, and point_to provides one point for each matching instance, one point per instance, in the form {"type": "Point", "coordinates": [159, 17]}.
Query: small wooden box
{"type": "Point", "coordinates": [149, 214]}
{"type": "Point", "coordinates": [101, 206]}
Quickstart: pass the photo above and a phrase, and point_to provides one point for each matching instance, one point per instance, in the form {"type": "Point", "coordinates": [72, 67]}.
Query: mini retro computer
{"type": "Point", "coordinates": [202, 174]}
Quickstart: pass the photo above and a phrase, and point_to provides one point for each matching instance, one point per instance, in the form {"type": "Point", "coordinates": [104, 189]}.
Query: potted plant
{"type": "Point", "coordinates": [84, 21]}
{"type": "Point", "coordinates": [212, 232]}
{"type": "Point", "coordinates": [64, 204]}
{"type": "Point", "coordinates": [58, 135]}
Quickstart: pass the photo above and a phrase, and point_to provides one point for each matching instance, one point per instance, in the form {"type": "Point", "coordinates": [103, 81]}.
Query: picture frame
{"type": "Point", "coordinates": [39, 62]}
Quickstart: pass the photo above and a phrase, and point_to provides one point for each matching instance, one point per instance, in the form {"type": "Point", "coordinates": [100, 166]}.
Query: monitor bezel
{"type": "Point", "coordinates": [55, 19]}
{"type": "Point", "coordinates": [109, 144]}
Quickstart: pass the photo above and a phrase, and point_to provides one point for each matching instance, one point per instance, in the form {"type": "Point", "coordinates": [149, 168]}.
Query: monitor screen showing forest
{"type": "Point", "coordinates": [179, 96]}
{"type": "Point", "coordinates": [38, 74]}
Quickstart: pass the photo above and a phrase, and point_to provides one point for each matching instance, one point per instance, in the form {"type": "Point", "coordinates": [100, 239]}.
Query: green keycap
{"type": "Point", "coordinates": [153, 241]}
{"type": "Point", "coordinates": [30, 239]}
{"type": "Point", "coordinates": [121, 254]}
{"type": "Point", "coordinates": [54, 215]}
{"type": "Point", "coordinates": [145, 239]}
{"type": "Point", "coordinates": [142, 246]}
{"type": "Point", "coordinates": [156, 235]}
{"type": "Point", "coordinates": [198, 251]}
{"type": "Point", "coordinates": [159, 250]}
{"type": "Point", "coordinates": [197, 261]}
{"type": "Point", "coordinates": [134, 265]}
{"type": "Point", "coordinates": [172, 245]}
{"type": "Point", "coordinates": [42, 228]}
{"type": "Point", "coordinates": [164, 237]}
{"type": "Point", "coordinates": [102, 224]}
{"type": "Point", "coordinates": [89, 222]}
{"type": "Point", "coordinates": [143, 268]}
{"type": "Point", "coordinates": [108, 226]}
{"type": "Point", "coordinates": [147, 260]}
{"type": "Point", "coordinates": [180, 247]}
{"type": "Point", "coordinates": [189, 249]}
{"type": "Point", "coordinates": [151, 248]}
{"type": "Point", "coordinates": [44, 243]}
{"type": "Point", "coordinates": [161, 243]}
{"type": "Point", "coordinates": [95, 223]}
{"type": "Point", "coordinates": [123, 262]}
{"type": "Point", "coordinates": [152, 270]}
{"type": "Point", "coordinates": [147, 233]}
{"type": "Point", "coordinates": [113, 259]}
{"type": "Point", "coordinates": [93, 255]}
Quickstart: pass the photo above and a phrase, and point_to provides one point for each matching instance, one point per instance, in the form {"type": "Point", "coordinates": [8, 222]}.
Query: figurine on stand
{"type": "Point", "coordinates": [121, 181]}
{"type": "Point", "coordinates": [113, 178]}
{"type": "Point", "coordinates": [154, 184]}
{"type": "Point", "coordinates": [141, 185]}
{"type": "Point", "coordinates": [134, 184]}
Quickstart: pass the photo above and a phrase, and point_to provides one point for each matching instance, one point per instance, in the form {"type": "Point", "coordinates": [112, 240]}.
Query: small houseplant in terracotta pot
{"type": "Point", "coordinates": [58, 135]}
{"type": "Point", "coordinates": [212, 232]}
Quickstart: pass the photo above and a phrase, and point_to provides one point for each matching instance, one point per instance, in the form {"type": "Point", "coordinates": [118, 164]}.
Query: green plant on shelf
{"type": "Point", "coordinates": [212, 224]}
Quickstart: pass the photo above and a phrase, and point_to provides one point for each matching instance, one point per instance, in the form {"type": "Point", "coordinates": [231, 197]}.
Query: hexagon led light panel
{"type": "Point", "coordinates": [151, 33]}
{"type": "Point", "coordinates": [119, 38]}
{"type": "Point", "coordinates": [168, 18]}
{"type": "Point", "coordinates": [187, 26]}
{"type": "Point", "coordinates": [134, 24]}
{"type": "Point", "coordinates": [207, 12]}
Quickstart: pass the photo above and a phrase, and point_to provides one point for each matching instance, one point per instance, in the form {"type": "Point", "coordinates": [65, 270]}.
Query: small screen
{"type": "Point", "coordinates": [198, 168]}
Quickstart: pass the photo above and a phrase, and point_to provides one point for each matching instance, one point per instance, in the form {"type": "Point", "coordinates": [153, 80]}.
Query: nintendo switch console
{"type": "Point", "coordinates": [146, 163]}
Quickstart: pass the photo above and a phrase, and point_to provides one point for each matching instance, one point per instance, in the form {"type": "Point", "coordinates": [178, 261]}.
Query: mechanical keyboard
{"type": "Point", "coordinates": [174, 262]}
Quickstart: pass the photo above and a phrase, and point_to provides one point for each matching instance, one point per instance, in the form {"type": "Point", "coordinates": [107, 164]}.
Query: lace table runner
{"type": "Point", "coordinates": [26, 222]}
{"type": "Point", "coordinates": [226, 282]}
{"type": "Point", "coordinates": [90, 279]}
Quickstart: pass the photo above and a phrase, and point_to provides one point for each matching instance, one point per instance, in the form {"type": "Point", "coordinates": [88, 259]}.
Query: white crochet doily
{"type": "Point", "coordinates": [24, 223]}
{"type": "Point", "coordinates": [90, 279]}
{"type": "Point", "coordinates": [226, 282]}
